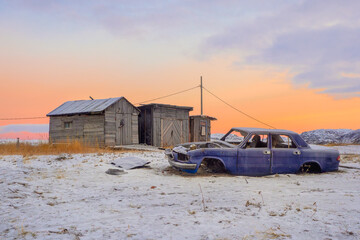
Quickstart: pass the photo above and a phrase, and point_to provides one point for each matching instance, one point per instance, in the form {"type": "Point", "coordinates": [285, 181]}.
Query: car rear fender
{"type": "Point", "coordinates": [311, 162]}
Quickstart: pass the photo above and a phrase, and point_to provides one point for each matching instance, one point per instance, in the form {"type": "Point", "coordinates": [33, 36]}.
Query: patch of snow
{"type": "Point", "coordinates": [72, 198]}
{"type": "Point", "coordinates": [349, 149]}
{"type": "Point", "coordinates": [138, 147]}
{"type": "Point", "coordinates": [32, 141]}
{"type": "Point", "coordinates": [314, 146]}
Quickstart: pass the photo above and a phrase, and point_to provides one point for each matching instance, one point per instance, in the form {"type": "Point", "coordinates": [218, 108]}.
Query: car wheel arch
{"type": "Point", "coordinates": [310, 167]}
{"type": "Point", "coordinates": [207, 159]}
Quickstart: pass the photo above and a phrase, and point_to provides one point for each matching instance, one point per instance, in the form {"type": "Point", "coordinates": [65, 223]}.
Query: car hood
{"type": "Point", "coordinates": [186, 147]}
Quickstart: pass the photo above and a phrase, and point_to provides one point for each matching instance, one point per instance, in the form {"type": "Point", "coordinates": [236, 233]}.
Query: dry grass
{"type": "Point", "coordinates": [350, 158]}
{"type": "Point", "coordinates": [27, 149]}
{"type": "Point", "coordinates": [339, 144]}
{"type": "Point", "coordinates": [273, 233]}
{"type": "Point", "coordinates": [22, 232]}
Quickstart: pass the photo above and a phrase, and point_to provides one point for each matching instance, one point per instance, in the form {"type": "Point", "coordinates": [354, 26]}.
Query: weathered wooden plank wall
{"type": "Point", "coordinates": [117, 125]}
{"type": "Point", "coordinates": [121, 126]}
{"type": "Point", "coordinates": [195, 128]}
{"type": "Point", "coordinates": [135, 128]}
{"type": "Point", "coordinates": [88, 129]}
{"type": "Point", "coordinates": [163, 126]}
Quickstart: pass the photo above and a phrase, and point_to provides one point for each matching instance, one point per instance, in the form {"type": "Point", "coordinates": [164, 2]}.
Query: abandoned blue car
{"type": "Point", "coordinates": [254, 152]}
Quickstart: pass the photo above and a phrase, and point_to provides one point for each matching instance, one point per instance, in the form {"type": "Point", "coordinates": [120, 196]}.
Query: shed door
{"type": "Point", "coordinates": [120, 127]}
{"type": "Point", "coordinates": [171, 132]}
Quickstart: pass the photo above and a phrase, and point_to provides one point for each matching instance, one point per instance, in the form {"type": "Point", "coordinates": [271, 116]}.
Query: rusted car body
{"type": "Point", "coordinates": [254, 152]}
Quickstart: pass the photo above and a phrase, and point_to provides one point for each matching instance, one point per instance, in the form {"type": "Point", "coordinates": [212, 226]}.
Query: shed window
{"type": "Point", "coordinates": [67, 125]}
{"type": "Point", "coordinates": [203, 132]}
{"type": "Point", "coordinates": [202, 128]}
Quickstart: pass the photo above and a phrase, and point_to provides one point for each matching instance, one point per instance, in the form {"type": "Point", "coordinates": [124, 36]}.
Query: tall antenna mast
{"type": "Point", "coordinates": [201, 88]}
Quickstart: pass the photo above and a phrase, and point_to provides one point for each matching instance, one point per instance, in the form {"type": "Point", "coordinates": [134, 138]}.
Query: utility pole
{"type": "Point", "coordinates": [201, 88]}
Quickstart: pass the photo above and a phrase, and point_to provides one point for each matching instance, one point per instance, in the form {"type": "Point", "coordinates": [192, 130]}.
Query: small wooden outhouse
{"type": "Point", "coordinates": [99, 122]}
{"type": "Point", "coordinates": [200, 128]}
{"type": "Point", "coordinates": [164, 125]}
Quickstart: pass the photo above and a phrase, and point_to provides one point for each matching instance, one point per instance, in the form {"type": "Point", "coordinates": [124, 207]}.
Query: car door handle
{"type": "Point", "coordinates": [267, 152]}
{"type": "Point", "coordinates": [297, 152]}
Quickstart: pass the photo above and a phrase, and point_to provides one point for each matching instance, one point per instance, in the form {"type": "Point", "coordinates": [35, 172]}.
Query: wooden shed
{"type": "Point", "coordinates": [100, 122]}
{"type": "Point", "coordinates": [164, 125]}
{"type": "Point", "coordinates": [200, 128]}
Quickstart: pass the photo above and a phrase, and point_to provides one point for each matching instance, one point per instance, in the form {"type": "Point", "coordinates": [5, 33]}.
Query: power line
{"type": "Point", "coordinates": [168, 95]}
{"type": "Point", "coordinates": [5, 119]}
{"type": "Point", "coordinates": [27, 118]}
{"type": "Point", "coordinates": [238, 109]}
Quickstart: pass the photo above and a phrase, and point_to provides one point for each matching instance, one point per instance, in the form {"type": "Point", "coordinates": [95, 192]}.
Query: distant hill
{"type": "Point", "coordinates": [231, 137]}
{"type": "Point", "coordinates": [216, 136]}
{"type": "Point", "coordinates": [326, 136]}
{"type": "Point", "coordinates": [352, 137]}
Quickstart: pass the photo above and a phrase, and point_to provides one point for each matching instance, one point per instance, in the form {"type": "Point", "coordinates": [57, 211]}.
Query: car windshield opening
{"type": "Point", "coordinates": [234, 137]}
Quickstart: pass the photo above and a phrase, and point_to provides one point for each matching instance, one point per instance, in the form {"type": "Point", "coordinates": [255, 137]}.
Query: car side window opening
{"type": "Point", "coordinates": [257, 141]}
{"type": "Point", "coordinates": [282, 141]}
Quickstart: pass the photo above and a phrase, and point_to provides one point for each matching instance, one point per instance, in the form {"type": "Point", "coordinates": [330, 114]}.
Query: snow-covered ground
{"type": "Point", "coordinates": [73, 198]}
{"type": "Point", "coordinates": [32, 141]}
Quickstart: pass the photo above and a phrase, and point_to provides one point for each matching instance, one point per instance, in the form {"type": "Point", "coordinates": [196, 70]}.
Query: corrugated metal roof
{"type": "Point", "coordinates": [202, 116]}
{"type": "Point", "coordinates": [157, 105]}
{"type": "Point", "coordinates": [83, 106]}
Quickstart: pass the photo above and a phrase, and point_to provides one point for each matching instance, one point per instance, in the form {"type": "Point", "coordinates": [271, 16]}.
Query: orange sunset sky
{"type": "Point", "coordinates": [291, 64]}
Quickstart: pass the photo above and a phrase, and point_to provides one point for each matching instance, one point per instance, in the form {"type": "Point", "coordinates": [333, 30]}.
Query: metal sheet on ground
{"type": "Point", "coordinates": [129, 162]}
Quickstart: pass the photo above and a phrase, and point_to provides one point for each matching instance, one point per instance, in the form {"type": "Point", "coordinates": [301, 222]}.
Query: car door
{"type": "Point", "coordinates": [253, 158]}
{"type": "Point", "coordinates": [285, 156]}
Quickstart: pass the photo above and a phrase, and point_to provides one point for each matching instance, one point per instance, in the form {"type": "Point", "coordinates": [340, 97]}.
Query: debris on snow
{"type": "Point", "coordinates": [113, 171]}
{"type": "Point", "coordinates": [180, 149]}
{"type": "Point", "coordinates": [129, 162]}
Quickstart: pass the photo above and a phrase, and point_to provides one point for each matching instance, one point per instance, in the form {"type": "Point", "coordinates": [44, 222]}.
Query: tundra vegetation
{"type": "Point", "coordinates": [70, 147]}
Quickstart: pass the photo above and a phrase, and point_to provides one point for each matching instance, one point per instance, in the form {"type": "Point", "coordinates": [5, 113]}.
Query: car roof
{"type": "Point", "coordinates": [301, 143]}
{"type": "Point", "coordinates": [263, 130]}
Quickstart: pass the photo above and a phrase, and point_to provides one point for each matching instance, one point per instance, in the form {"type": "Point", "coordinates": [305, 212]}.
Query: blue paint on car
{"type": "Point", "coordinates": [254, 152]}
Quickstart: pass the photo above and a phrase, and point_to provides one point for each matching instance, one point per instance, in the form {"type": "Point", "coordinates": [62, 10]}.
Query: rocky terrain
{"type": "Point", "coordinates": [332, 136]}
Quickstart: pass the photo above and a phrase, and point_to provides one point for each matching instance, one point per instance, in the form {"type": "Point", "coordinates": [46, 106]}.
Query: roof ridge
{"type": "Point", "coordinates": [84, 106]}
